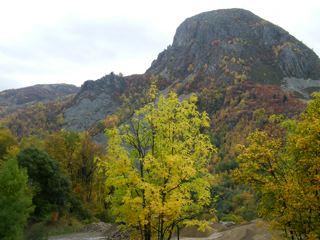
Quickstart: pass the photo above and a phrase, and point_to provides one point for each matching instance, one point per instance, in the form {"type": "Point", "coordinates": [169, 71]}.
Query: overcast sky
{"type": "Point", "coordinates": [70, 41]}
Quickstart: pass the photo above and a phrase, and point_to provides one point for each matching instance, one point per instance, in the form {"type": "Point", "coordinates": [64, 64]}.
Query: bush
{"type": "Point", "coordinates": [37, 232]}
{"type": "Point", "coordinates": [78, 209]}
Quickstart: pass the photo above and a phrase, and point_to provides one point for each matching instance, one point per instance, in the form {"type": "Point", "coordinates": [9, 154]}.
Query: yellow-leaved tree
{"type": "Point", "coordinates": [285, 171]}
{"type": "Point", "coordinates": [157, 167]}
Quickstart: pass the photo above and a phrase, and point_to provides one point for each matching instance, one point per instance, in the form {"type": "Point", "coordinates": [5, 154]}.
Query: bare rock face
{"type": "Point", "coordinates": [95, 100]}
{"type": "Point", "coordinates": [231, 43]}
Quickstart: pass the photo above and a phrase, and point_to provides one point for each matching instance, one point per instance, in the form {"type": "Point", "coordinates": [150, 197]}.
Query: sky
{"type": "Point", "coordinates": [71, 41]}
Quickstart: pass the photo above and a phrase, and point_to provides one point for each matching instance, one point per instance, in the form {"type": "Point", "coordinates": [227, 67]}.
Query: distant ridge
{"type": "Point", "coordinates": [13, 99]}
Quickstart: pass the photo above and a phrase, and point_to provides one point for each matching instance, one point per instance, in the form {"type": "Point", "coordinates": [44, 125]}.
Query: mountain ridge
{"type": "Point", "coordinates": [225, 57]}
{"type": "Point", "coordinates": [13, 99]}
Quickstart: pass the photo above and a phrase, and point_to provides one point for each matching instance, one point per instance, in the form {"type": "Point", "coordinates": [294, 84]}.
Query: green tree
{"type": "Point", "coordinates": [15, 200]}
{"type": "Point", "coordinates": [51, 186]}
{"type": "Point", "coordinates": [285, 172]}
{"type": "Point", "coordinates": [157, 167]}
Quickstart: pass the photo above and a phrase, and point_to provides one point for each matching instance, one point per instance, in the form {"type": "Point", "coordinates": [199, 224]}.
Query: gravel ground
{"type": "Point", "coordinates": [256, 230]}
{"type": "Point", "coordinates": [80, 236]}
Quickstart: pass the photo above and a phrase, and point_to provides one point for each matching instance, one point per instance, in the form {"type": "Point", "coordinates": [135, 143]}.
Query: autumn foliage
{"type": "Point", "coordinates": [156, 168]}
{"type": "Point", "coordinates": [285, 172]}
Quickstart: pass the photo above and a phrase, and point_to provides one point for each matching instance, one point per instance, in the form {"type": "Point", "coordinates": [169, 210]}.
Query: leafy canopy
{"type": "Point", "coordinates": [15, 200]}
{"type": "Point", "coordinates": [156, 167]}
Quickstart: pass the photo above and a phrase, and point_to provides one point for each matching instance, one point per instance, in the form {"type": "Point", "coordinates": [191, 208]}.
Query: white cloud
{"type": "Point", "coordinates": [43, 41]}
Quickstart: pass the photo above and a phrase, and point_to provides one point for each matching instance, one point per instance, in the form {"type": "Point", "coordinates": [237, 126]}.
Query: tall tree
{"type": "Point", "coordinates": [76, 152]}
{"type": "Point", "coordinates": [87, 172]}
{"type": "Point", "coordinates": [286, 173]}
{"type": "Point", "coordinates": [156, 167]}
{"type": "Point", "coordinates": [15, 200]}
{"type": "Point", "coordinates": [64, 147]}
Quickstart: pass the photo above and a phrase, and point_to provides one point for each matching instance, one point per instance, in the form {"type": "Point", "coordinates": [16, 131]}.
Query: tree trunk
{"type": "Point", "coordinates": [178, 232]}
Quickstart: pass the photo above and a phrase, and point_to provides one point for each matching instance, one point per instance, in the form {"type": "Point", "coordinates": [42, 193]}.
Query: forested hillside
{"type": "Point", "coordinates": [13, 99]}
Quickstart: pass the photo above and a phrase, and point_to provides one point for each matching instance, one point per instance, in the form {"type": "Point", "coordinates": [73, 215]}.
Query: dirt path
{"type": "Point", "coordinates": [79, 236]}
{"type": "Point", "coordinates": [211, 237]}
{"type": "Point", "coordinates": [256, 230]}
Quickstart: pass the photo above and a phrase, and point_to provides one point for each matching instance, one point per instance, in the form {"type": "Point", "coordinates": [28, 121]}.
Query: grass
{"type": "Point", "coordinates": [42, 230]}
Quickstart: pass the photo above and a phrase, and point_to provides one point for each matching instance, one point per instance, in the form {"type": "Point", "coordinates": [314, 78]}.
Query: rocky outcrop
{"type": "Point", "coordinates": [231, 44]}
{"type": "Point", "coordinates": [95, 100]}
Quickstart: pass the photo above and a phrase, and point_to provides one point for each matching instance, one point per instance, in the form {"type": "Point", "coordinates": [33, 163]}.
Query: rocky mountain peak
{"type": "Point", "coordinates": [235, 45]}
{"type": "Point", "coordinates": [217, 24]}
